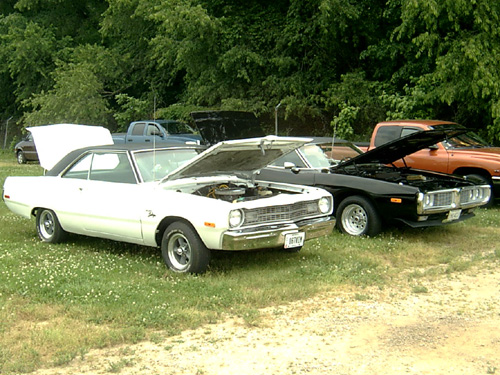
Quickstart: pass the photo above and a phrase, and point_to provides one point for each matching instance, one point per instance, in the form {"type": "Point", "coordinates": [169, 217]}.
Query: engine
{"type": "Point", "coordinates": [234, 193]}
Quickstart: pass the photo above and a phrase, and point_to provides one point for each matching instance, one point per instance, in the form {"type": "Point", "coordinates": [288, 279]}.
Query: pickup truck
{"type": "Point", "coordinates": [157, 131]}
{"type": "Point", "coordinates": [465, 155]}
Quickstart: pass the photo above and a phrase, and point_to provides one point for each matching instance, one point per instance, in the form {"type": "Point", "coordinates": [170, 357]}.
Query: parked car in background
{"type": "Point", "coordinates": [25, 150]}
{"type": "Point", "coordinates": [186, 201]}
{"type": "Point", "coordinates": [370, 193]}
{"type": "Point", "coordinates": [157, 131]}
{"type": "Point", "coordinates": [465, 155]}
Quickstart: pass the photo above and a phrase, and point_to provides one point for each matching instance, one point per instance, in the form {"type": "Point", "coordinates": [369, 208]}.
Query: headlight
{"type": "Point", "coordinates": [427, 201]}
{"type": "Point", "coordinates": [324, 205]}
{"type": "Point", "coordinates": [235, 218]}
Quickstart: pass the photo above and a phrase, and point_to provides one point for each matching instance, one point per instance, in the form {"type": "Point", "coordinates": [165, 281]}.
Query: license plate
{"type": "Point", "coordinates": [294, 239]}
{"type": "Point", "coordinates": [454, 215]}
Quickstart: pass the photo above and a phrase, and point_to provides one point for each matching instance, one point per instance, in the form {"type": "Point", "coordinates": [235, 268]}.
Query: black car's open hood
{"type": "Point", "coordinates": [218, 126]}
{"type": "Point", "coordinates": [392, 151]}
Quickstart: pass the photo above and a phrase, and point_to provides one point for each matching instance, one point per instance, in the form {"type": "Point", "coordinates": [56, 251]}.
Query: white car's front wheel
{"type": "Point", "coordinates": [183, 250]}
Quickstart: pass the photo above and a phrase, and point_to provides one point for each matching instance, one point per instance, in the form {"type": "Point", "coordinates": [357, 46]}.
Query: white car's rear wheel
{"type": "Point", "coordinates": [183, 250]}
{"type": "Point", "coordinates": [48, 227]}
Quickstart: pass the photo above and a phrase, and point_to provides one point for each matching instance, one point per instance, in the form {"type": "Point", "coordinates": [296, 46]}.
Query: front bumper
{"type": "Point", "coordinates": [273, 236]}
{"type": "Point", "coordinates": [437, 219]}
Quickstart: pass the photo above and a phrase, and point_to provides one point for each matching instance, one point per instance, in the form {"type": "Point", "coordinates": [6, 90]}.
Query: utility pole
{"type": "Point", "coordinates": [6, 132]}
{"type": "Point", "coordinates": [276, 119]}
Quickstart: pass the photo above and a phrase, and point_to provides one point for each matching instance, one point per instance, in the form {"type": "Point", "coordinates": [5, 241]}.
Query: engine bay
{"type": "Point", "coordinates": [403, 176]}
{"type": "Point", "coordinates": [231, 192]}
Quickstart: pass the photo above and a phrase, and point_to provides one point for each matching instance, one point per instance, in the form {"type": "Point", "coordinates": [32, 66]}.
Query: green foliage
{"type": "Point", "coordinates": [75, 98]}
{"type": "Point", "coordinates": [322, 59]}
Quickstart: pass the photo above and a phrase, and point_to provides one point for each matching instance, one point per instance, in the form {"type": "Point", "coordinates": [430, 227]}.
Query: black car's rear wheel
{"type": "Point", "coordinates": [183, 250]}
{"type": "Point", "coordinates": [357, 216]}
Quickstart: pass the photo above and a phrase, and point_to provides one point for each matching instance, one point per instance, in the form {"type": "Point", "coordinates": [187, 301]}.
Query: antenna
{"type": "Point", "coordinates": [154, 139]}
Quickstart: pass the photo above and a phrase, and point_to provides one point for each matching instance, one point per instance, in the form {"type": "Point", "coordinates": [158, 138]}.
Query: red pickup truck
{"type": "Point", "coordinates": [465, 155]}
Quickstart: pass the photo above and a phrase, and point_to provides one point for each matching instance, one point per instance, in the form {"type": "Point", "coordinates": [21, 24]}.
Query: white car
{"type": "Point", "coordinates": [182, 199]}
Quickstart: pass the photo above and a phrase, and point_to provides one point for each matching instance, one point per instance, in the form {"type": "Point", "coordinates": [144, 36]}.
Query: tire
{"type": "Point", "coordinates": [21, 158]}
{"type": "Point", "coordinates": [357, 216]}
{"type": "Point", "coordinates": [48, 227]}
{"type": "Point", "coordinates": [182, 249]}
{"type": "Point", "coordinates": [484, 180]}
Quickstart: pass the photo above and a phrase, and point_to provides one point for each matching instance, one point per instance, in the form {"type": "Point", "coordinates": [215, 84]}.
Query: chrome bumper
{"type": "Point", "coordinates": [273, 236]}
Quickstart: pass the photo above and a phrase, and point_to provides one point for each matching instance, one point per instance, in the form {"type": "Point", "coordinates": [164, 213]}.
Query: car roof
{"type": "Point", "coordinates": [71, 156]}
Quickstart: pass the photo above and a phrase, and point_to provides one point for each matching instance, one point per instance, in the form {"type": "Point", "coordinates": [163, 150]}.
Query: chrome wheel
{"type": "Point", "coordinates": [357, 216]}
{"type": "Point", "coordinates": [354, 220]}
{"type": "Point", "coordinates": [48, 227]}
{"type": "Point", "coordinates": [183, 250]}
{"type": "Point", "coordinates": [179, 251]}
{"type": "Point", "coordinates": [47, 224]}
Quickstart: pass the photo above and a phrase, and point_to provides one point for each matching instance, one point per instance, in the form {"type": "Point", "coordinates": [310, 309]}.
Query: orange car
{"type": "Point", "coordinates": [464, 155]}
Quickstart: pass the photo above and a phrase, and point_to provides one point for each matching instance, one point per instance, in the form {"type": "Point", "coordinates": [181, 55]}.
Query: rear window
{"type": "Point", "coordinates": [138, 129]}
{"type": "Point", "coordinates": [386, 134]}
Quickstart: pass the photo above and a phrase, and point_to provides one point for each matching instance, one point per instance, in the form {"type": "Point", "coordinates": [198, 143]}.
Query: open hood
{"type": "Point", "coordinates": [53, 142]}
{"type": "Point", "coordinates": [218, 126]}
{"type": "Point", "coordinates": [392, 151]}
{"type": "Point", "coordinates": [238, 157]}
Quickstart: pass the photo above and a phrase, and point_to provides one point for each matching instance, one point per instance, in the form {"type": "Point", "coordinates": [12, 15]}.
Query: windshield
{"type": "Point", "coordinates": [315, 156]}
{"type": "Point", "coordinates": [155, 165]}
{"type": "Point", "coordinates": [467, 140]}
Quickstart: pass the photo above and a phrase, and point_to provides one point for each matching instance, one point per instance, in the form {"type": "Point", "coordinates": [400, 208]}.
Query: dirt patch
{"type": "Point", "coordinates": [452, 328]}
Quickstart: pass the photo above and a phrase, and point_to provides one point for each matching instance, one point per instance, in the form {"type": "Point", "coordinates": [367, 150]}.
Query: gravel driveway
{"type": "Point", "coordinates": [445, 326]}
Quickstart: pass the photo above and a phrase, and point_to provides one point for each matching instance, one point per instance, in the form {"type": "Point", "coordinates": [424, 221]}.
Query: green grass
{"type": "Point", "coordinates": [59, 301]}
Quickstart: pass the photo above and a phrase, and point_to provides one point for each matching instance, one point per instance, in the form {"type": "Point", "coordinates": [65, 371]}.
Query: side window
{"type": "Point", "coordinates": [407, 131]}
{"type": "Point", "coordinates": [109, 167]}
{"type": "Point", "coordinates": [80, 169]}
{"type": "Point", "coordinates": [138, 129]}
{"type": "Point", "coordinates": [292, 157]}
{"type": "Point", "coordinates": [386, 134]}
{"type": "Point", "coordinates": [153, 130]}
{"type": "Point", "coordinates": [112, 167]}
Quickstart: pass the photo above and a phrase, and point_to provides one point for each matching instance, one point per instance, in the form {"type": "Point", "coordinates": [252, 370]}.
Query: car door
{"type": "Point", "coordinates": [435, 158]}
{"type": "Point", "coordinates": [103, 198]}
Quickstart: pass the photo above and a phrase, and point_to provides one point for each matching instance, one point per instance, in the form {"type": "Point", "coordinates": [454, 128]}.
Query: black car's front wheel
{"type": "Point", "coordinates": [183, 250]}
{"type": "Point", "coordinates": [357, 216]}
{"type": "Point", "coordinates": [48, 227]}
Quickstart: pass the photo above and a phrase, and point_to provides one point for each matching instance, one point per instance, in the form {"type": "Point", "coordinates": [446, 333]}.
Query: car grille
{"type": "Point", "coordinates": [444, 200]}
{"type": "Point", "coordinates": [474, 194]}
{"type": "Point", "coordinates": [286, 213]}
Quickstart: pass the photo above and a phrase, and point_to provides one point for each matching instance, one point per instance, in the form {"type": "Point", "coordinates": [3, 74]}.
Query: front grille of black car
{"type": "Point", "coordinates": [286, 213]}
{"type": "Point", "coordinates": [444, 199]}
{"type": "Point", "coordinates": [458, 198]}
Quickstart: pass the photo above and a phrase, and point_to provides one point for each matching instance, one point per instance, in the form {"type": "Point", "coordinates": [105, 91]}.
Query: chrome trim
{"type": "Point", "coordinates": [273, 236]}
{"type": "Point", "coordinates": [451, 199]}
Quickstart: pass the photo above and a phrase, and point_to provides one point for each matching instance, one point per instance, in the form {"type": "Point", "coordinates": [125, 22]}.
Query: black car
{"type": "Point", "coordinates": [370, 192]}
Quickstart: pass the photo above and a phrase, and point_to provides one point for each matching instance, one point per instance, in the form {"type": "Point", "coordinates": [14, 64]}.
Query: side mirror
{"type": "Point", "coordinates": [433, 147]}
{"type": "Point", "coordinates": [288, 165]}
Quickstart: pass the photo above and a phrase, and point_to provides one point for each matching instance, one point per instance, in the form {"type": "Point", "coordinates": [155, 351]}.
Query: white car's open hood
{"type": "Point", "coordinates": [53, 142]}
{"type": "Point", "coordinates": [240, 157]}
